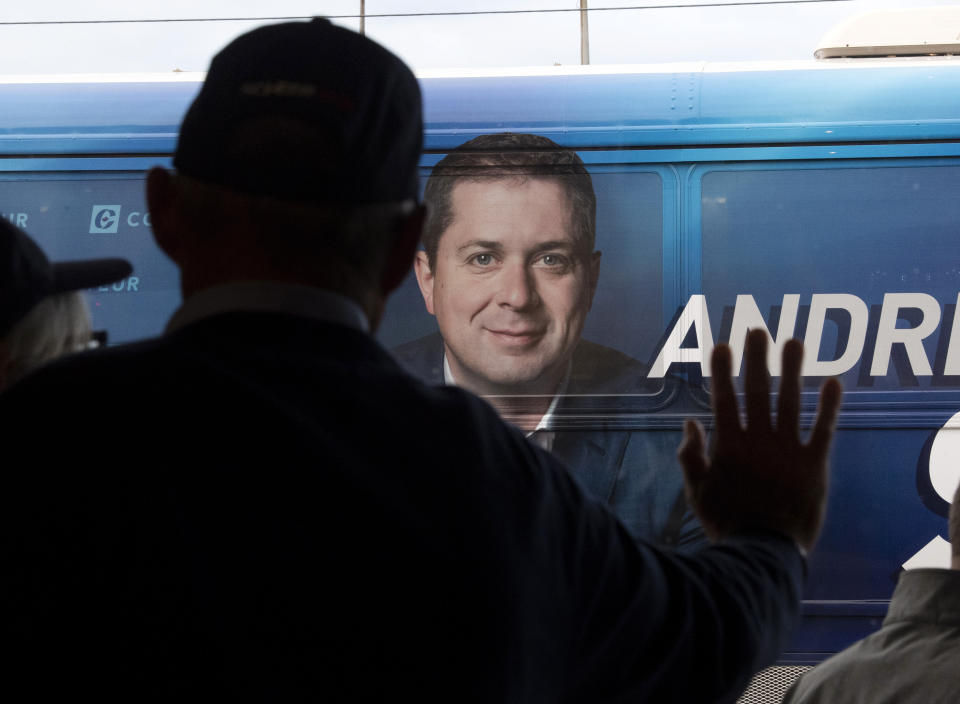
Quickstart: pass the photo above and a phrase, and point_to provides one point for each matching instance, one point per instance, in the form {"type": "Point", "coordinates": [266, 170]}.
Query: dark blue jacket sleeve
{"type": "Point", "coordinates": [663, 626]}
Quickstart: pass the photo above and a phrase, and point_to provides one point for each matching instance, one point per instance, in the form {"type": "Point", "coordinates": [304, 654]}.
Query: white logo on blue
{"type": "Point", "coordinates": [104, 219]}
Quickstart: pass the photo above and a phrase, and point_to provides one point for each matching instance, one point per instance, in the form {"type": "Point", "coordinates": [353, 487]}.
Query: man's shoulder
{"type": "Point", "coordinates": [97, 368]}
{"type": "Point", "coordinates": [185, 361]}
{"type": "Point", "coordinates": [422, 358]}
{"type": "Point", "coordinates": [847, 675]}
{"type": "Point", "coordinates": [900, 662]}
{"type": "Point", "coordinates": [86, 403]}
{"type": "Point", "coordinates": [241, 359]}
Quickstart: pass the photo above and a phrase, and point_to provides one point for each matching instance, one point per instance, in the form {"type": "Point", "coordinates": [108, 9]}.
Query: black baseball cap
{"type": "Point", "coordinates": [306, 111]}
{"type": "Point", "coordinates": [28, 276]}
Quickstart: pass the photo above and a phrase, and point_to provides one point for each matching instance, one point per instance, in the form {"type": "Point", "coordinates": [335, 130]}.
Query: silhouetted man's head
{"type": "Point", "coordinates": [296, 162]}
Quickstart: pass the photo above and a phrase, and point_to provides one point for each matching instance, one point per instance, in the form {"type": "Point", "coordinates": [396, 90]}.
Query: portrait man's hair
{"type": "Point", "coordinates": [509, 156]}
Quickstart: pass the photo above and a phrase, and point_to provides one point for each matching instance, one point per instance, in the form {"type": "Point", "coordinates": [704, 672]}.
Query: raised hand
{"type": "Point", "coordinates": [761, 477]}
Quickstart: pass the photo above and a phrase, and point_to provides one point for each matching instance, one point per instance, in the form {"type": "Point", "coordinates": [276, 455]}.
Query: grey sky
{"type": "Point", "coordinates": [538, 39]}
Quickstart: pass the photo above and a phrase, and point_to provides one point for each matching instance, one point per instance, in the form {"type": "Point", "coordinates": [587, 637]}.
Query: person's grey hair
{"type": "Point", "coordinates": [509, 156]}
{"type": "Point", "coordinates": [56, 326]}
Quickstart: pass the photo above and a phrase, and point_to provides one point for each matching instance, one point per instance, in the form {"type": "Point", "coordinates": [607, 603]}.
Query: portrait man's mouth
{"type": "Point", "coordinates": [518, 339]}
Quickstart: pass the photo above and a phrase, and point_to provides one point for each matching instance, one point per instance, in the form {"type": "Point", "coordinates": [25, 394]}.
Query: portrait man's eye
{"type": "Point", "coordinates": [483, 259]}
{"type": "Point", "coordinates": [558, 263]}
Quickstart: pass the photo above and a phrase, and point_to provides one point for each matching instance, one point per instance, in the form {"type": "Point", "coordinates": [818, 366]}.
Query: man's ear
{"type": "Point", "coordinates": [161, 202]}
{"type": "Point", "coordinates": [594, 273]}
{"type": "Point", "coordinates": [421, 267]}
{"type": "Point", "coordinates": [404, 248]}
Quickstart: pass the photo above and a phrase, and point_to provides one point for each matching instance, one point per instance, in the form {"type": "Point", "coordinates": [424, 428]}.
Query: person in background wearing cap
{"type": "Point", "coordinates": [43, 315]}
{"type": "Point", "coordinates": [270, 522]}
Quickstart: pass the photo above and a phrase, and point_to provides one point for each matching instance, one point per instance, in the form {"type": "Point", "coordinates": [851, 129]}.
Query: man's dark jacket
{"type": "Point", "coordinates": [262, 507]}
{"type": "Point", "coordinates": [634, 472]}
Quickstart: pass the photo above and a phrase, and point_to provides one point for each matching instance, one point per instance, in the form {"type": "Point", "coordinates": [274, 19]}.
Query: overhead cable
{"type": "Point", "coordinates": [451, 13]}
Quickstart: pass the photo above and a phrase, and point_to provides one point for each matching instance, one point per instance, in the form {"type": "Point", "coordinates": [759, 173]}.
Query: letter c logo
{"type": "Point", "coordinates": [105, 218]}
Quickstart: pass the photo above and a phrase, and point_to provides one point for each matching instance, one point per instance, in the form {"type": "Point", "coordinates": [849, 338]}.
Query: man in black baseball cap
{"type": "Point", "coordinates": [42, 312]}
{"type": "Point", "coordinates": [299, 155]}
{"type": "Point", "coordinates": [281, 513]}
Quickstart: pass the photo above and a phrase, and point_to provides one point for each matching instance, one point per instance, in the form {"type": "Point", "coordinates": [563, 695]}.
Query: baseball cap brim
{"type": "Point", "coordinates": [27, 276]}
{"type": "Point", "coordinates": [89, 273]}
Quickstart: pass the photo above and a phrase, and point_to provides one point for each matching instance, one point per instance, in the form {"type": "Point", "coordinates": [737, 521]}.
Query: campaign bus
{"type": "Point", "coordinates": [816, 199]}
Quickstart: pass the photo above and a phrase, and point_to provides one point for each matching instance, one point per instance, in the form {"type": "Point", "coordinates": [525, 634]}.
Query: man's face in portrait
{"type": "Point", "coordinates": [511, 286]}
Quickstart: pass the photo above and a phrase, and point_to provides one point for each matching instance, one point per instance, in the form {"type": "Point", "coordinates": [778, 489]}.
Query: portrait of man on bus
{"type": "Point", "coordinates": [509, 268]}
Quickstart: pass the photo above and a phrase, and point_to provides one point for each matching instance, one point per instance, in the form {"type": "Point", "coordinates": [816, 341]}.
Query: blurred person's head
{"type": "Point", "coordinates": [43, 315]}
{"type": "Point", "coordinates": [297, 162]}
{"type": "Point", "coordinates": [508, 266]}
{"type": "Point", "coordinates": [57, 325]}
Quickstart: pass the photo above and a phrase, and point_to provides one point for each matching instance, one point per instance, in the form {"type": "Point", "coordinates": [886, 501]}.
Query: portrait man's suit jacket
{"type": "Point", "coordinates": [635, 472]}
{"type": "Point", "coordinates": [250, 509]}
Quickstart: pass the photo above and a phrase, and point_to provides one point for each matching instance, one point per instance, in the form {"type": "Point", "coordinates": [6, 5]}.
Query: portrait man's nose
{"type": "Point", "coordinates": [517, 288]}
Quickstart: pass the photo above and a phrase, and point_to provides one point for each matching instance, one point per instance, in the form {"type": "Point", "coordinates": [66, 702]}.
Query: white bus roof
{"type": "Point", "coordinates": [921, 31]}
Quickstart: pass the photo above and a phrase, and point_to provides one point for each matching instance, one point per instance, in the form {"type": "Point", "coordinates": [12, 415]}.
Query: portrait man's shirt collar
{"type": "Point", "coordinates": [543, 435]}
